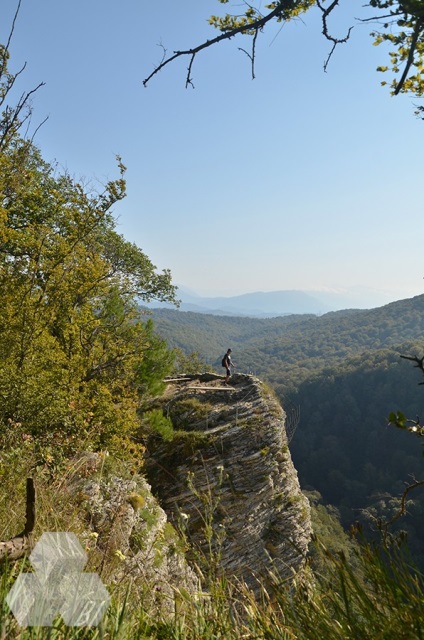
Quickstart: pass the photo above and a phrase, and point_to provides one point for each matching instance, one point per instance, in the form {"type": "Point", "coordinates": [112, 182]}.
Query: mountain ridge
{"type": "Point", "coordinates": [269, 304]}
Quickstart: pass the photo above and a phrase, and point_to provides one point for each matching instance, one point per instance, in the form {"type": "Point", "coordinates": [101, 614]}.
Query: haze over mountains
{"type": "Point", "coordinates": [277, 303]}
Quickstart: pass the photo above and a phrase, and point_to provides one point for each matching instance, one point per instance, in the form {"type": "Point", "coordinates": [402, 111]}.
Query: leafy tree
{"type": "Point", "coordinates": [403, 27]}
{"type": "Point", "coordinates": [190, 364]}
{"type": "Point", "coordinates": [75, 353]}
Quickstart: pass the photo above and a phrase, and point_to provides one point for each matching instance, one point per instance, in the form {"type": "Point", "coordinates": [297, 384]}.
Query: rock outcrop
{"type": "Point", "coordinates": [227, 477]}
{"type": "Point", "coordinates": [226, 496]}
{"type": "Point", "coordinates": [130, 538]}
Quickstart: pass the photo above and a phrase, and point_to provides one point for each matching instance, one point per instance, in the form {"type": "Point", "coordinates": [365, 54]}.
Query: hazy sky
{"type": "Point", "coordinates": [299, 179]}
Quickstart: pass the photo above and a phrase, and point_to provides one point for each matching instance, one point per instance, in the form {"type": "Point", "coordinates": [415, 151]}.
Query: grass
{"type": "Point", "coordinates": [386, 603]}
{"type": "Point", "coordinates": [376, 595]}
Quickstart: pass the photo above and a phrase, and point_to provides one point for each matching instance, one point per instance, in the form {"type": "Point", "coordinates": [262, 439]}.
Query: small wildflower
{"type": "Point", "coordinates": [118, 554]}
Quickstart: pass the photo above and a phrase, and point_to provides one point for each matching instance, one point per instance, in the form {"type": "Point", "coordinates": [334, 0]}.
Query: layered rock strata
{"type": "Point", "coordinates": [228, 480]}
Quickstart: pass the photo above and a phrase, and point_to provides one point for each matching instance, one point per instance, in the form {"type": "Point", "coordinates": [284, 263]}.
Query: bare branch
{"type": "Point", "coordinates": [15, 17]}
{"type": "Point", "coordinates": [419, 362]}
{"type": "Point", "coordinates": [251, 56]}
{"type": "Point", "coordinates": [380, 18]}
{"type": "Point", "coordinates": [326, 33]}
{"type": "Point", "coordinates": [255, 26]}
{"type": "Point", "coordinates": [11, 116]}
{"type": "Point", "coordinates": [9, 40]}
{"type": "Point", "coordinates": [38, 128]}
{"type": "Point", "coordinates": [402, 510]}
{"type": "Point", "coordinates": [189, 79]}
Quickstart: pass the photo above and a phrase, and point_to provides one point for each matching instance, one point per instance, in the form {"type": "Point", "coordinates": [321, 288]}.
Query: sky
{"type": "Point", "coordinates": [298, 179]}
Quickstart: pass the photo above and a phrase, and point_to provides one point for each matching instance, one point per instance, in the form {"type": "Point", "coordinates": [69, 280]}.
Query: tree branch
{"type": "Point", "coordinates": [419, 362]}
{"type": "Point", "coordinates": [255, 26]}
{"type": "Point", "coordinates": [402, 510]}
{"type": "Point", "coordinates": [326, 33]}
{"type": "Point", "coordinates": [252, 55]}
{"type": "Point", "coordinates": [5, 56]}
{"type": "Point", "coordinates": [415, 36]}
{"type": "Point", "coordinates": [18, 546]}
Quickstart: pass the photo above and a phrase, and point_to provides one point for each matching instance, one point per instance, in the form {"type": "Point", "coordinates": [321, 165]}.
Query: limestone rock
{"type": "Point", "coordinates": [228, 476]}
{"type": "Point", "coordinates": [134, 542]}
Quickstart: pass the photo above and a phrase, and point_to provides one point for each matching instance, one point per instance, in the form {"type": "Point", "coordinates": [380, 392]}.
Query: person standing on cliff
{"type": "Point", "coordinates": [227, 363]}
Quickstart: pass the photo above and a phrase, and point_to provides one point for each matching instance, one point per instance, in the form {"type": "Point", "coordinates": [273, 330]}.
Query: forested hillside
{"type": "Point", "coordinates": [288, 350]}
{"type": "Point", "coordinates": [345, 449]}
{"type": "Point", "coordinates": [344, 371]}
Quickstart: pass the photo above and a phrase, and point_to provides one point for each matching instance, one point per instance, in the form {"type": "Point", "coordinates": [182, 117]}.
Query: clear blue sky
{"type": "Point", "coordinates": [299, 179]}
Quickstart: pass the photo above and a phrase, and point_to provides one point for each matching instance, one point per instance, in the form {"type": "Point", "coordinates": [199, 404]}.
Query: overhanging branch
{"type": "Point", "coordinates": [413, 46]}
{"type": "Point", "coordinates": [402, 510]}
{"type": "Point", "coordinates": [254, 27]}
{"type": "Point", "coordinates": [419, 362]}
{"type": "Point", "coordinates": [325, 13]}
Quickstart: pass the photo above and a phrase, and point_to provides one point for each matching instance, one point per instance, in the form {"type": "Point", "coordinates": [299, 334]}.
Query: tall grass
{"type": "Point", "coordinates": [385, 602]}
{"type": "Point", "coordinates": [376, 595]}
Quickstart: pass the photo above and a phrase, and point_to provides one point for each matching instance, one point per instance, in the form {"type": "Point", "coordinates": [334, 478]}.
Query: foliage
{"type": "Point", "coordinates": [284, 12]}
{"type": "Point", "coordinates": [386, 602]}
{"type": "Point", "coordinates": [328, 536]}
{"type": "Point", "coordinates": [287, 350]}
{"type": "Point", "coordinates": [73, 348]}
{"type": "Point", "coordinates": [190, 364]}
{"type": "Point", "coordinates": [357, 590]}
{"type": "Point", "coordinates": [345, 449]}
{"type": "Point", "coordinates": [154, 422]}
{"type": "Point", "coordinates": [378, 595]}
{"type": "Point", "coordinates": [75, 353]}
{"type": "Point", "coordinates": [403, 28]}
{"type": "Point", "coordinates": [399, 420]}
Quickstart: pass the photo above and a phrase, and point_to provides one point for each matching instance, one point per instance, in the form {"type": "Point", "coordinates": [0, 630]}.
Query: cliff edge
{"type": "Point", "coordinates": [226, 476]}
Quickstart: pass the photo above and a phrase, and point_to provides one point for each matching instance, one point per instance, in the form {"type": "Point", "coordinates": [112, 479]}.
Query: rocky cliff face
{"type": "Point", "coordinates": [227, 477]}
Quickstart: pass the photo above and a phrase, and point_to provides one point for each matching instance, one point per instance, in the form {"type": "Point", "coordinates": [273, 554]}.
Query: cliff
{"type": "Point", "coordinates": [226, 477]}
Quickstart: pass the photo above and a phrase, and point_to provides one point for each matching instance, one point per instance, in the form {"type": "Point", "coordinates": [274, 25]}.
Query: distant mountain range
{"type": "Point", "coordinates": [270, 304]}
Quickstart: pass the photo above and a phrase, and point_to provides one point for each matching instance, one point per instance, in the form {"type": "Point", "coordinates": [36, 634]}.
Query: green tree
{"type": "Point", "coordinates": [75, 352]}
